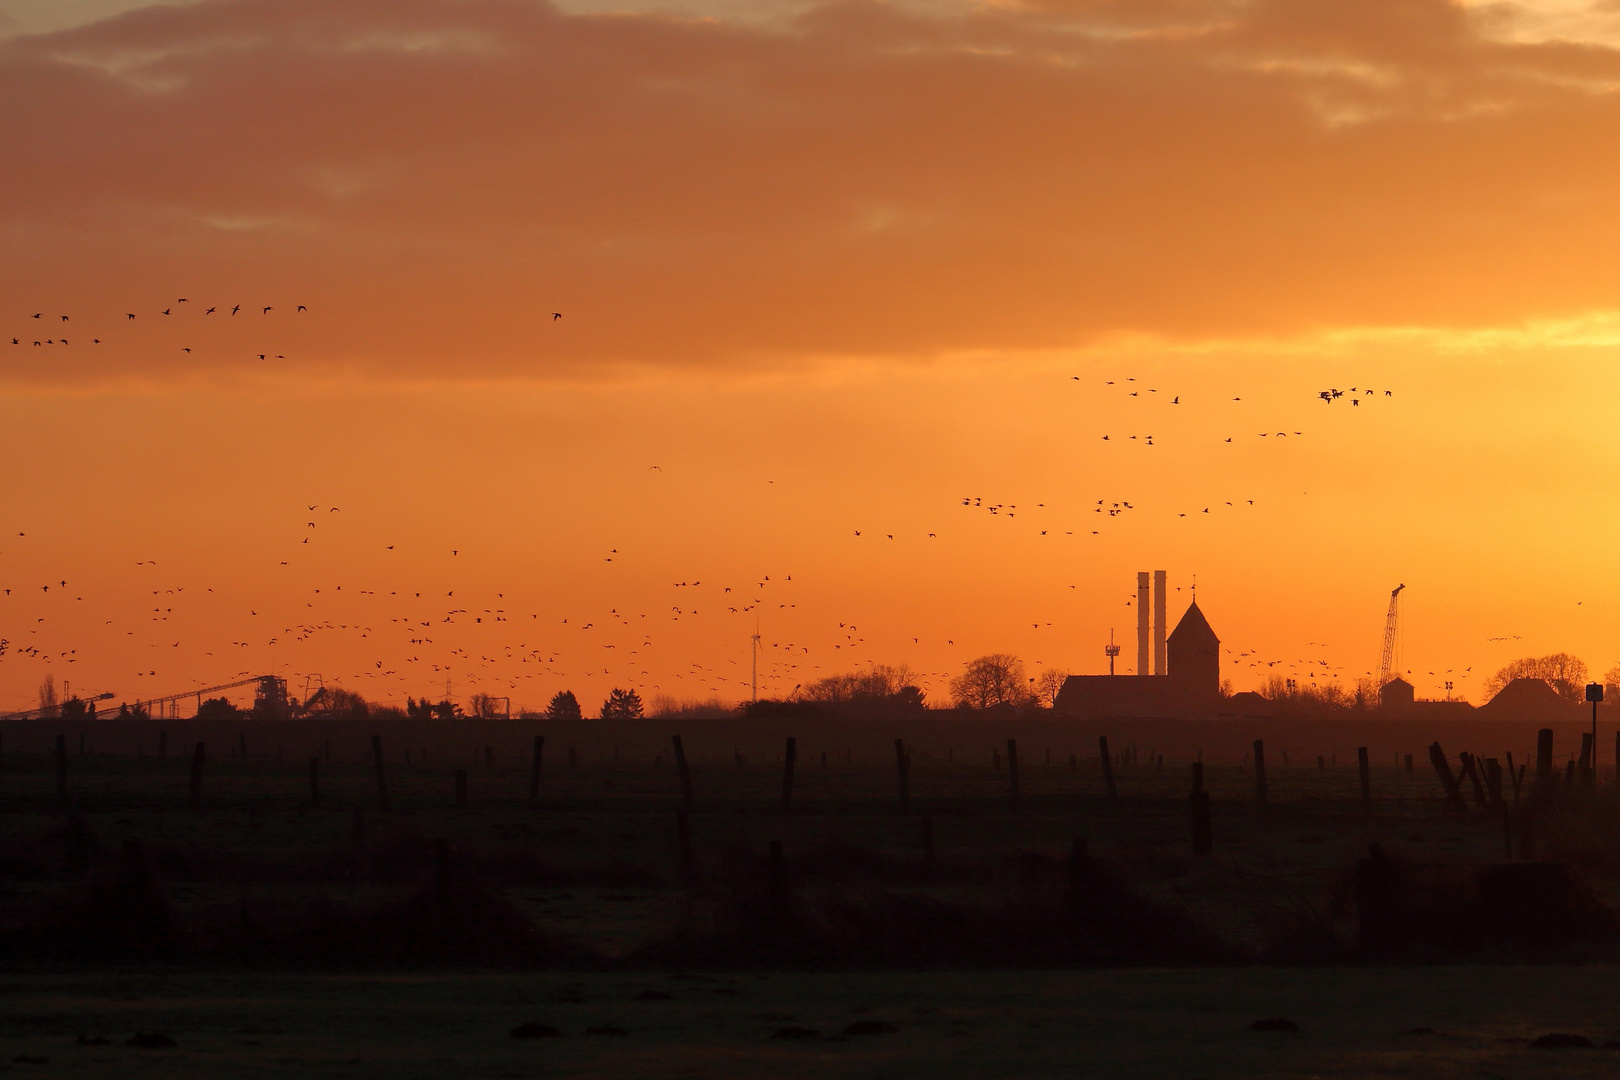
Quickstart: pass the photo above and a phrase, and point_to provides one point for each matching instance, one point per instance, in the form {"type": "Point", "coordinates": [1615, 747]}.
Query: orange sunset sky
{"type": "Point", "coordinates": [826, 270]}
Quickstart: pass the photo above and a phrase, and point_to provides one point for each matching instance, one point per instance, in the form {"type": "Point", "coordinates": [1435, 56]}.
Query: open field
{"type": "Point", "coordinates": [1355, 1022]}
{"type": "Point", "coordinates": [271, 932]}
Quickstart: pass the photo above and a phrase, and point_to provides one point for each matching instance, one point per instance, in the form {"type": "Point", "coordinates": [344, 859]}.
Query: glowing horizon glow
{"type": "Point", "coordinates": [829, 273]}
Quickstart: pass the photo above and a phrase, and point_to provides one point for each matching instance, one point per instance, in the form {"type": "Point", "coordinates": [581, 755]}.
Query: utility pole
{"type": "Point", "coordinates": [1594, 694]}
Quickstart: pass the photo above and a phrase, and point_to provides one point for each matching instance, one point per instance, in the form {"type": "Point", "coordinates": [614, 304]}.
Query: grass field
{"type": "Point", "coordinates": [270, 933]}
{"type": "Point", "coordinates": [1353, 1022]}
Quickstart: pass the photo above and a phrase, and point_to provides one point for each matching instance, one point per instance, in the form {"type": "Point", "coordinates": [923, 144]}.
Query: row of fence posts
{"type": "Point", "coordinates": [1486, 788]}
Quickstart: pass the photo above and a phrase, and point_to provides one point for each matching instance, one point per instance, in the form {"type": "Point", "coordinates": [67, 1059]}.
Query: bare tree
{"type": "Point", "coordinates": [1563, 672]}
{"type": "Point", "coordinates": [996, 679]}
{"type": "Point", "coordinates": [1048, 683]}
{"type": "Point", "coordinates": [47, 697]}
{"type": "Point", "coordinates": [486, 706]}
{"type": "Point", "coordinates": [876, 682]}
{"type": "Point", "coordinates": [1611, 685]}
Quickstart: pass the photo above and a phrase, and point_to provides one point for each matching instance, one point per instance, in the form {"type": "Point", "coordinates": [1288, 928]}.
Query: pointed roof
{"type": "Point", "coordinates": [1194, 629]}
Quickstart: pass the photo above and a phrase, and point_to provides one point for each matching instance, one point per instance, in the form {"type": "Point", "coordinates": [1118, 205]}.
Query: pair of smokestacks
{"type": "Point", "coordinates": [1158, 629]}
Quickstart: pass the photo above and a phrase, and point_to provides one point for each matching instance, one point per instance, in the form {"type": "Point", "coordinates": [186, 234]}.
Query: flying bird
{"type": "Point", "coordinates": [555, 315]}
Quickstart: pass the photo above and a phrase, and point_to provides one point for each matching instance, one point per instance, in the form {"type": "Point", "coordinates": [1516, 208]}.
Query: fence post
{"type": "Point", "coordinates": [1202, 829]}
{"type": "Point", "coordinates": [1493, 783]}
{"type": "Point", "coordinates": [680, 767]}
{"type": "Point", "coordinates": [1012, 769]}
{"type": "Point", "coordinates": [534, 769]}
{"type": "Point", "coordinates": [1366, 779]}
{"type": "Point", "coordinates": [1544, 751]}
{"type": "Point", "coordinates": [787, 772]}
{"type": "Point", "coordinates": [196, 775]}
{"type": "Point", "coordinates": [1588, 745]}
{"type": "Point", "coordinates": [1260, 793]}
{"type": "Point", "coordinates": [1442, 769]}
{"type": "Point", "coordinates": [902, 765]}
{"type": "Point", "coordinates": [683, 827]}
{"type": "Point", "coordinates": [1108, 770]}
{"type": "Point", "coordinates": [382, 779]}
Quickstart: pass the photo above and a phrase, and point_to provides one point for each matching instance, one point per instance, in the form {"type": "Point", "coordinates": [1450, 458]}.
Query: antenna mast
{"type": "Point", "coordinates": [1112, 650]}
{"type": "Point", "coordinates": [1389, 665]}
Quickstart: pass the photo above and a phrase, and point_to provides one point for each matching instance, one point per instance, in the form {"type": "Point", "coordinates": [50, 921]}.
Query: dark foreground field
{"type": "Point", "coordinates": [1358, 1022]}
{"type": "Point", "coordinates": [268, 928]}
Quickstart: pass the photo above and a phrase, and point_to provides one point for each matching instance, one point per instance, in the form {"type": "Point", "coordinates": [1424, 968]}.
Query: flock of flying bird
{"type": "Point", "coordinates": [424, 633]}
{"type": "Point", "coordinates": [59, 337]}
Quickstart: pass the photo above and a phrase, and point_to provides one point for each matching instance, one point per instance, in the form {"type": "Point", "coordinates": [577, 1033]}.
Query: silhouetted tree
{"type": "Point", "coordinates": [996, 679]}
{"type": "Point", "coordinates": [1563, 672]}
{"type": "Point", "coordinates": [218, 709]}
{"type": "Point", "coordinates": [74, 708]}
{"type": "Point", "coordinates": [47, 697]}
{"type": "Point", "coordinates": [1611, 685]}
{"type": "Point", "coordinates": [877, 683]}
{"type": "Point", "coordinates": [418, 710]}
{"type": "Point", "coordinates": [487, 707]}
{"type": "Point", "coordinates": [564, 706]}
{"type": "Point", "coordinates": [1047, 685]}
{"type": "Point", "coordinates": [622, 705]}
{"type": "Point", "coordinates": [447, 710]}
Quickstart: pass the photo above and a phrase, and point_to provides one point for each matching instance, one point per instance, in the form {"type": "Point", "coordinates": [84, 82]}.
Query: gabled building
{"type": "Point", "coordinates": [1190, 686]}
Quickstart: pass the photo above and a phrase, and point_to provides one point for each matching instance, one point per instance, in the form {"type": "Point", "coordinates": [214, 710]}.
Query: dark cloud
{"type": "Point", "coordinates": [434, 178]}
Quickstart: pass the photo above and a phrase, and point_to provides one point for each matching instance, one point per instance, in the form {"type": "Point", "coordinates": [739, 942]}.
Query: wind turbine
{"type": "Point", "coordinates": [754, 653]}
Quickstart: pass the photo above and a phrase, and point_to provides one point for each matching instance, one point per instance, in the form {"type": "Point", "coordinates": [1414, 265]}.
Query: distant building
{"type": "Point", "coordinates": [1190, 686]}
{"type": "Point", "coordinates": [1396, 694]}
{"type": "Point", "coordinates": [1530, 699]}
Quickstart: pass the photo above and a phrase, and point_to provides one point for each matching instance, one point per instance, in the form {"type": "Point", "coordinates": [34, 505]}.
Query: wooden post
{"type": "Point", "coordinates": [1366, 779]}
{"type": "Point", "coordinates": [787, 772]}
{"type": "Point", "coordinates": [382, 779]}
{"type": "Point", "coordinates": [1202, 830]}
{"type": "Point", "coordinates": [1260, 774]}
{"type": "Point", "coordinates": [680, 767]}
{"type": "Point", "coordinates": [534, 769]}
{"type": "Point", "coordinates": [61, 767]}
{"type": "Point", "coordinates": [902, 765]}
{"type": "Point", "coordinates": [1515, 776]}
{"type": "Point", "coordinates": [1012, 769]}
{"type": "Point", "coordinates": [196, 775]}
{"type": "Point", "coordinates": [1544, 751]}
{"type": "Point", "coordinates": [1493, 783]}
{"type": "Point", "coordinates": [1108, 770]}
{"type": "Point", "coordinates": [461, 787]}
{"type": "Point", "coordinates": [314, 780]}
{"type": "Point", "coordinates": [1588, 744]}
{"type": "Point", "coordinates": [1442, 769]}
{"type": "Point", "coordinates": [683, 828]}
{"type": "Point", "coordinates": [1472, 767]}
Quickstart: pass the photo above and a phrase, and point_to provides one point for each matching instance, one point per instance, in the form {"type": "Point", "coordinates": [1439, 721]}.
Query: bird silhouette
{"type": "Point", "coordinates": [555, 315]}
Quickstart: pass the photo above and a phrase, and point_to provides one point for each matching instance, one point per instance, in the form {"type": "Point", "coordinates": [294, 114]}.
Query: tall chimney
{"type": "Point", "coordinates": [1158, 622]}
{"type": "Point", "coordinates": [1142, 622]}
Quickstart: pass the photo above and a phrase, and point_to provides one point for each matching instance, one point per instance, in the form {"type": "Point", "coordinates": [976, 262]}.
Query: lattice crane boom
{"type": "Point", "coordinates": [1389, 664]}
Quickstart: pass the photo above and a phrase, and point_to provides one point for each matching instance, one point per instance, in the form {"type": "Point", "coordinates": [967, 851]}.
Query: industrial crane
{"type": "Point", "coordinates": [1389, 666]}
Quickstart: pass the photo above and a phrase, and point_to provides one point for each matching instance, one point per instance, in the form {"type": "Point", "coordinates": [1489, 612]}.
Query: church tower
{"type": "Point", "coordinates": [1195, 655]}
